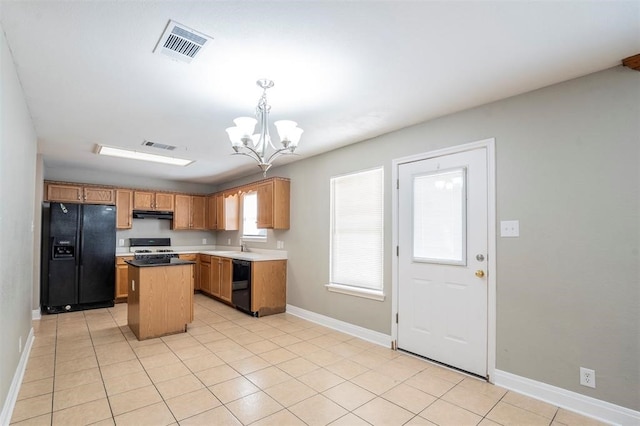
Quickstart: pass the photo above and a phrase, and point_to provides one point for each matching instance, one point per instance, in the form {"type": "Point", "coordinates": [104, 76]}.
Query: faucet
{"type": "Point", "coordinates": [243, 246]}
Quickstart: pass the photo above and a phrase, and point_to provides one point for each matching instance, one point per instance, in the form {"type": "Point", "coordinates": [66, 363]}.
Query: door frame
{"type": "Point", "coordinates": [489, 145]}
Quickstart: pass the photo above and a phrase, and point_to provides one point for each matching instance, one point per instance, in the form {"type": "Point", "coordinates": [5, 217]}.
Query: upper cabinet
{"type": "Point", "coordinates": [77, 193]}
{"type": "Point", "coordinates": [273, 204]}
{"type": "Point", "coordinates": [124, 206]}
{"type": "Point", "coordinates": [143, 200]}
{"type": "Point", "coordinates": [211, 216]}
{"type": "Point", "coordinates": [219, 211]}
{"type": "Point", "coordinates": [227, 207]}
{"type": "Point", "coordinates": [223, 209]}
{"type": "Point", "coordinates": [189, 212]}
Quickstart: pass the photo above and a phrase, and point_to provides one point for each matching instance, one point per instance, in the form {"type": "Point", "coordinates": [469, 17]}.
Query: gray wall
{"type": "Point", "coordinates": [17, 189]}
{"type": "Point", "coordinates": [568, 289]}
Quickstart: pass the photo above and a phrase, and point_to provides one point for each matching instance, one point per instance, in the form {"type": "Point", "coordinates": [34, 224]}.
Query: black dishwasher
{"type": "Point", "coordinates": [241, 285]}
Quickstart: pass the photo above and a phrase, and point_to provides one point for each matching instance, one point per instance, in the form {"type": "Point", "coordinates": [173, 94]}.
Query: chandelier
{"type": "Point", "coordinates": [245, 142]}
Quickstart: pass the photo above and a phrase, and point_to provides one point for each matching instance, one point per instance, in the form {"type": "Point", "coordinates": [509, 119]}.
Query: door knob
{"type": "Point", "coordinates": [479, 273]}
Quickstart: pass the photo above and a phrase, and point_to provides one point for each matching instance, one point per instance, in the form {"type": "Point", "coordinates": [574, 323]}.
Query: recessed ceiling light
{"type": "Point", "coordinates": [136, 155]}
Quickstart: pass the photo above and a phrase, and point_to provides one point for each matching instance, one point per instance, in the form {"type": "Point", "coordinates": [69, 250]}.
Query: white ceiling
{"type": "Point", "coordinates": [346, 71]}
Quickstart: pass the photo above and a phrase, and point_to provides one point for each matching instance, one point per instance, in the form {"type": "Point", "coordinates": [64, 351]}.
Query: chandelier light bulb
{"type": "Point", "coordinates": [243, 133]}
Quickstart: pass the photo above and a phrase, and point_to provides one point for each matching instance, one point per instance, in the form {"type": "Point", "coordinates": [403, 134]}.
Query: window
{"type": "Point", "coordinates": [439, 217]}
{"type": "Point", "coordinates": [357, 234]}
{"type": "Point", "coordinates": [250, 217]}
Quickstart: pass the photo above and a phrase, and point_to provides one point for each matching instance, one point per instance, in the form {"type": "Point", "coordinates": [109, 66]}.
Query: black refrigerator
{"type": "Point", "coordinates": [78, 255]}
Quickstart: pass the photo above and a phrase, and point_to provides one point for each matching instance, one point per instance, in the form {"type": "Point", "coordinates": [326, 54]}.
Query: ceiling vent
{"type": "Point", "coordinates": [180, 42]}
{"type": "Point", "coordinates": [159, 145]}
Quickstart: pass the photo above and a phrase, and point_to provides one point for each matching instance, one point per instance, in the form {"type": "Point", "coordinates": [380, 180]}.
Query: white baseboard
{"type": "Point", "coordinates": [344, 327]}
{"type": "Point", "coordinates": [585, 405]}
{"type": "Point", "coordinates": [36, 314]}
{"type": "Point", "coordinates": [12, 396]}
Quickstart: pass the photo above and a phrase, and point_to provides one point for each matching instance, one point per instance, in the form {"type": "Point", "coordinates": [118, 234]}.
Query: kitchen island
{"type": "Point", "coordinates": [160, 298]}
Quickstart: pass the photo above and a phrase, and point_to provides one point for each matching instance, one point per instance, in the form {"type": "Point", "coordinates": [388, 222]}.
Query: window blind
{"type": "Point", "coordinates": [357, 234]}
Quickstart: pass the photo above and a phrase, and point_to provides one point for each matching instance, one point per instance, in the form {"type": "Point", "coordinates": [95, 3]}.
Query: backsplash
{"type": "Point", "coordinates": [149, 228]}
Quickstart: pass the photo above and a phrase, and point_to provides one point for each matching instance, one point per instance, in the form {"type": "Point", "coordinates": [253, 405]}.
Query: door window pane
{"type": "Point", "coordinates": [439, 217]}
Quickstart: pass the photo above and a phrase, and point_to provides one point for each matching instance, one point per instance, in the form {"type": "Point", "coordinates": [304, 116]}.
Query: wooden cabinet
{"type": "Point", "coordinates": [221, 275]}
{"type": "Point", "coordinates": [193, 257]}
{"type": "Point", "coordinates": [160, 300]}
{"type": "Point", "coordinates": [211, 218]}
{"type": "Point", "coordinates": [215, 276]}
{"type": "Point", "coordinates": [222, 212]}
{"type": "Point", "coordinates": [204, 273]}
{"type": "Point", "coordinates": [72, 193]}
{"type": "Point", "coordinates": [227, 211]}
{"type": "Point", "coordinates": [95, 195]}
{"type": "Point", "coordinates": [226, 276]}
{"type": "Point", "coordinates": [269, 287]}
{"type": "Point", "coordinates": [62, 193]}
{"type": "Point", "coordinates": [273, 194]}
{"type": "Point", "coordinates": [124, 206]}
{"type": "Point", "coordinates": [160, 201]}
{"type": "Point", "coordinates": [273, 204]}
{"type": "Point", "coordinates": [189, 212]}
{"type": "Point", "coordinates": [122, 278]}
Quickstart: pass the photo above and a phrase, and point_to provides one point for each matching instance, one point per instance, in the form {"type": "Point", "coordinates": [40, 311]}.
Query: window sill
{"type": "Point", "coordinates": [254, 239]}
{"type": "Point", "coordinates": [356, 291]}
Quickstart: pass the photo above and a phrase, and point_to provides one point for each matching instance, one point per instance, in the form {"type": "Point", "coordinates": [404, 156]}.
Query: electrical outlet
{"type": "Point", "coordinates": [121, 242]}
{"type": "Point", "coordinates": [510, 228]}
{"type": "Point", "coordinates": [587, 377]}
{"type": "Point", "coordinates": [229, 241]}
{"type": "Point", "coordinates": [204, 241]}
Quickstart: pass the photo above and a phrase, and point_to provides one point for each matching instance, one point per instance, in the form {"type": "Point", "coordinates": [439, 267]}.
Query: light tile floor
{"type": "Point", "coordinates": [231, 369]}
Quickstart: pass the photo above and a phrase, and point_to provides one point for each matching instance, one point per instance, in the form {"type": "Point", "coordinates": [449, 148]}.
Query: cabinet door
{"type": "Point", "coordinates": [215, 275]}
{"type": "Point", "coordinates": [205, 274]}
{"type": "Point", "coordinates": [143, 200]}
{"type": "Point", "coordinates": [68, 193]}
{"type": "Point", "coordinates": [196, 268]}
{"type": "Point", "coordinates": [122, 278]}
{"type": "Point", "coordinates": [269, 287]}
{"type": "Point", "coordinates": [164, 202]}
{"type": "Point", "coordinates": [265, 205]}
{"type": "Point", "coordinates": [182, 212]}
{"type": "Point", "coordinates": [94, 195]}
{"type": "Point", "coordinates": [220, 211]}
{"type": "Point", "coordinates": [231, 216]}
{"type": "Point", "coordinates": [281, 203]}
{"type": "Point", "coordinates": [198, 207]}
{"type": "Point", "coordinates": [124, 203]}
{"type": "Point", "coordinates": [225, 279]}
{"type": "Point", "coordinates": [211, 217]}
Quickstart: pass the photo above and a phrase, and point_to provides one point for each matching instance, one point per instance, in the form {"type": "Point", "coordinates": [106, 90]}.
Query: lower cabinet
{"type": "Point", "coordinates": [204, 274]}
{"type": "Point", "coordinates": [122, 278]}
{"type": "Point", "coordinates": [226, 276]}
{"type": "Point", "coordinates": [215, 275]}
{"type": "Point", "coordinates": [193, 257]}
{"type": "Point", "coordinates": [269, 287]}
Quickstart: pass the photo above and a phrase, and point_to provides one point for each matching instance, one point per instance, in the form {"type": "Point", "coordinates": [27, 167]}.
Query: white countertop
{"type": "Point", "coordinates": [255, 255]}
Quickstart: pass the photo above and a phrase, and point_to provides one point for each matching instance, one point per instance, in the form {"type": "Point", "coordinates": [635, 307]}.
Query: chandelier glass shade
{"type": "Point", "coordinates": [259, 146]}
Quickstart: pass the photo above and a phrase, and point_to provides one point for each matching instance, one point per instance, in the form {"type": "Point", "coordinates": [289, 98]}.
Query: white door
{"type": "Point", "coordinates": [442, 262]}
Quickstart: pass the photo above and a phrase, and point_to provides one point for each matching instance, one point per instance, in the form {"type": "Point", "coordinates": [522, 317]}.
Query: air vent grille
{"type": "Point", "coordinates": [159, 145]}
{"type": "Point", "coordinates": [180, 42]}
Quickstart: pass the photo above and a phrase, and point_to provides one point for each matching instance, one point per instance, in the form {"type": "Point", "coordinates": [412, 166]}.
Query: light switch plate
{"type": "Point", "coordinates": [510, 228]}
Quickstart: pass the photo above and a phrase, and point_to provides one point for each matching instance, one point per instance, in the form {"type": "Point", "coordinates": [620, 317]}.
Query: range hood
{"type": "Point", "coordinates": [150, 214]}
